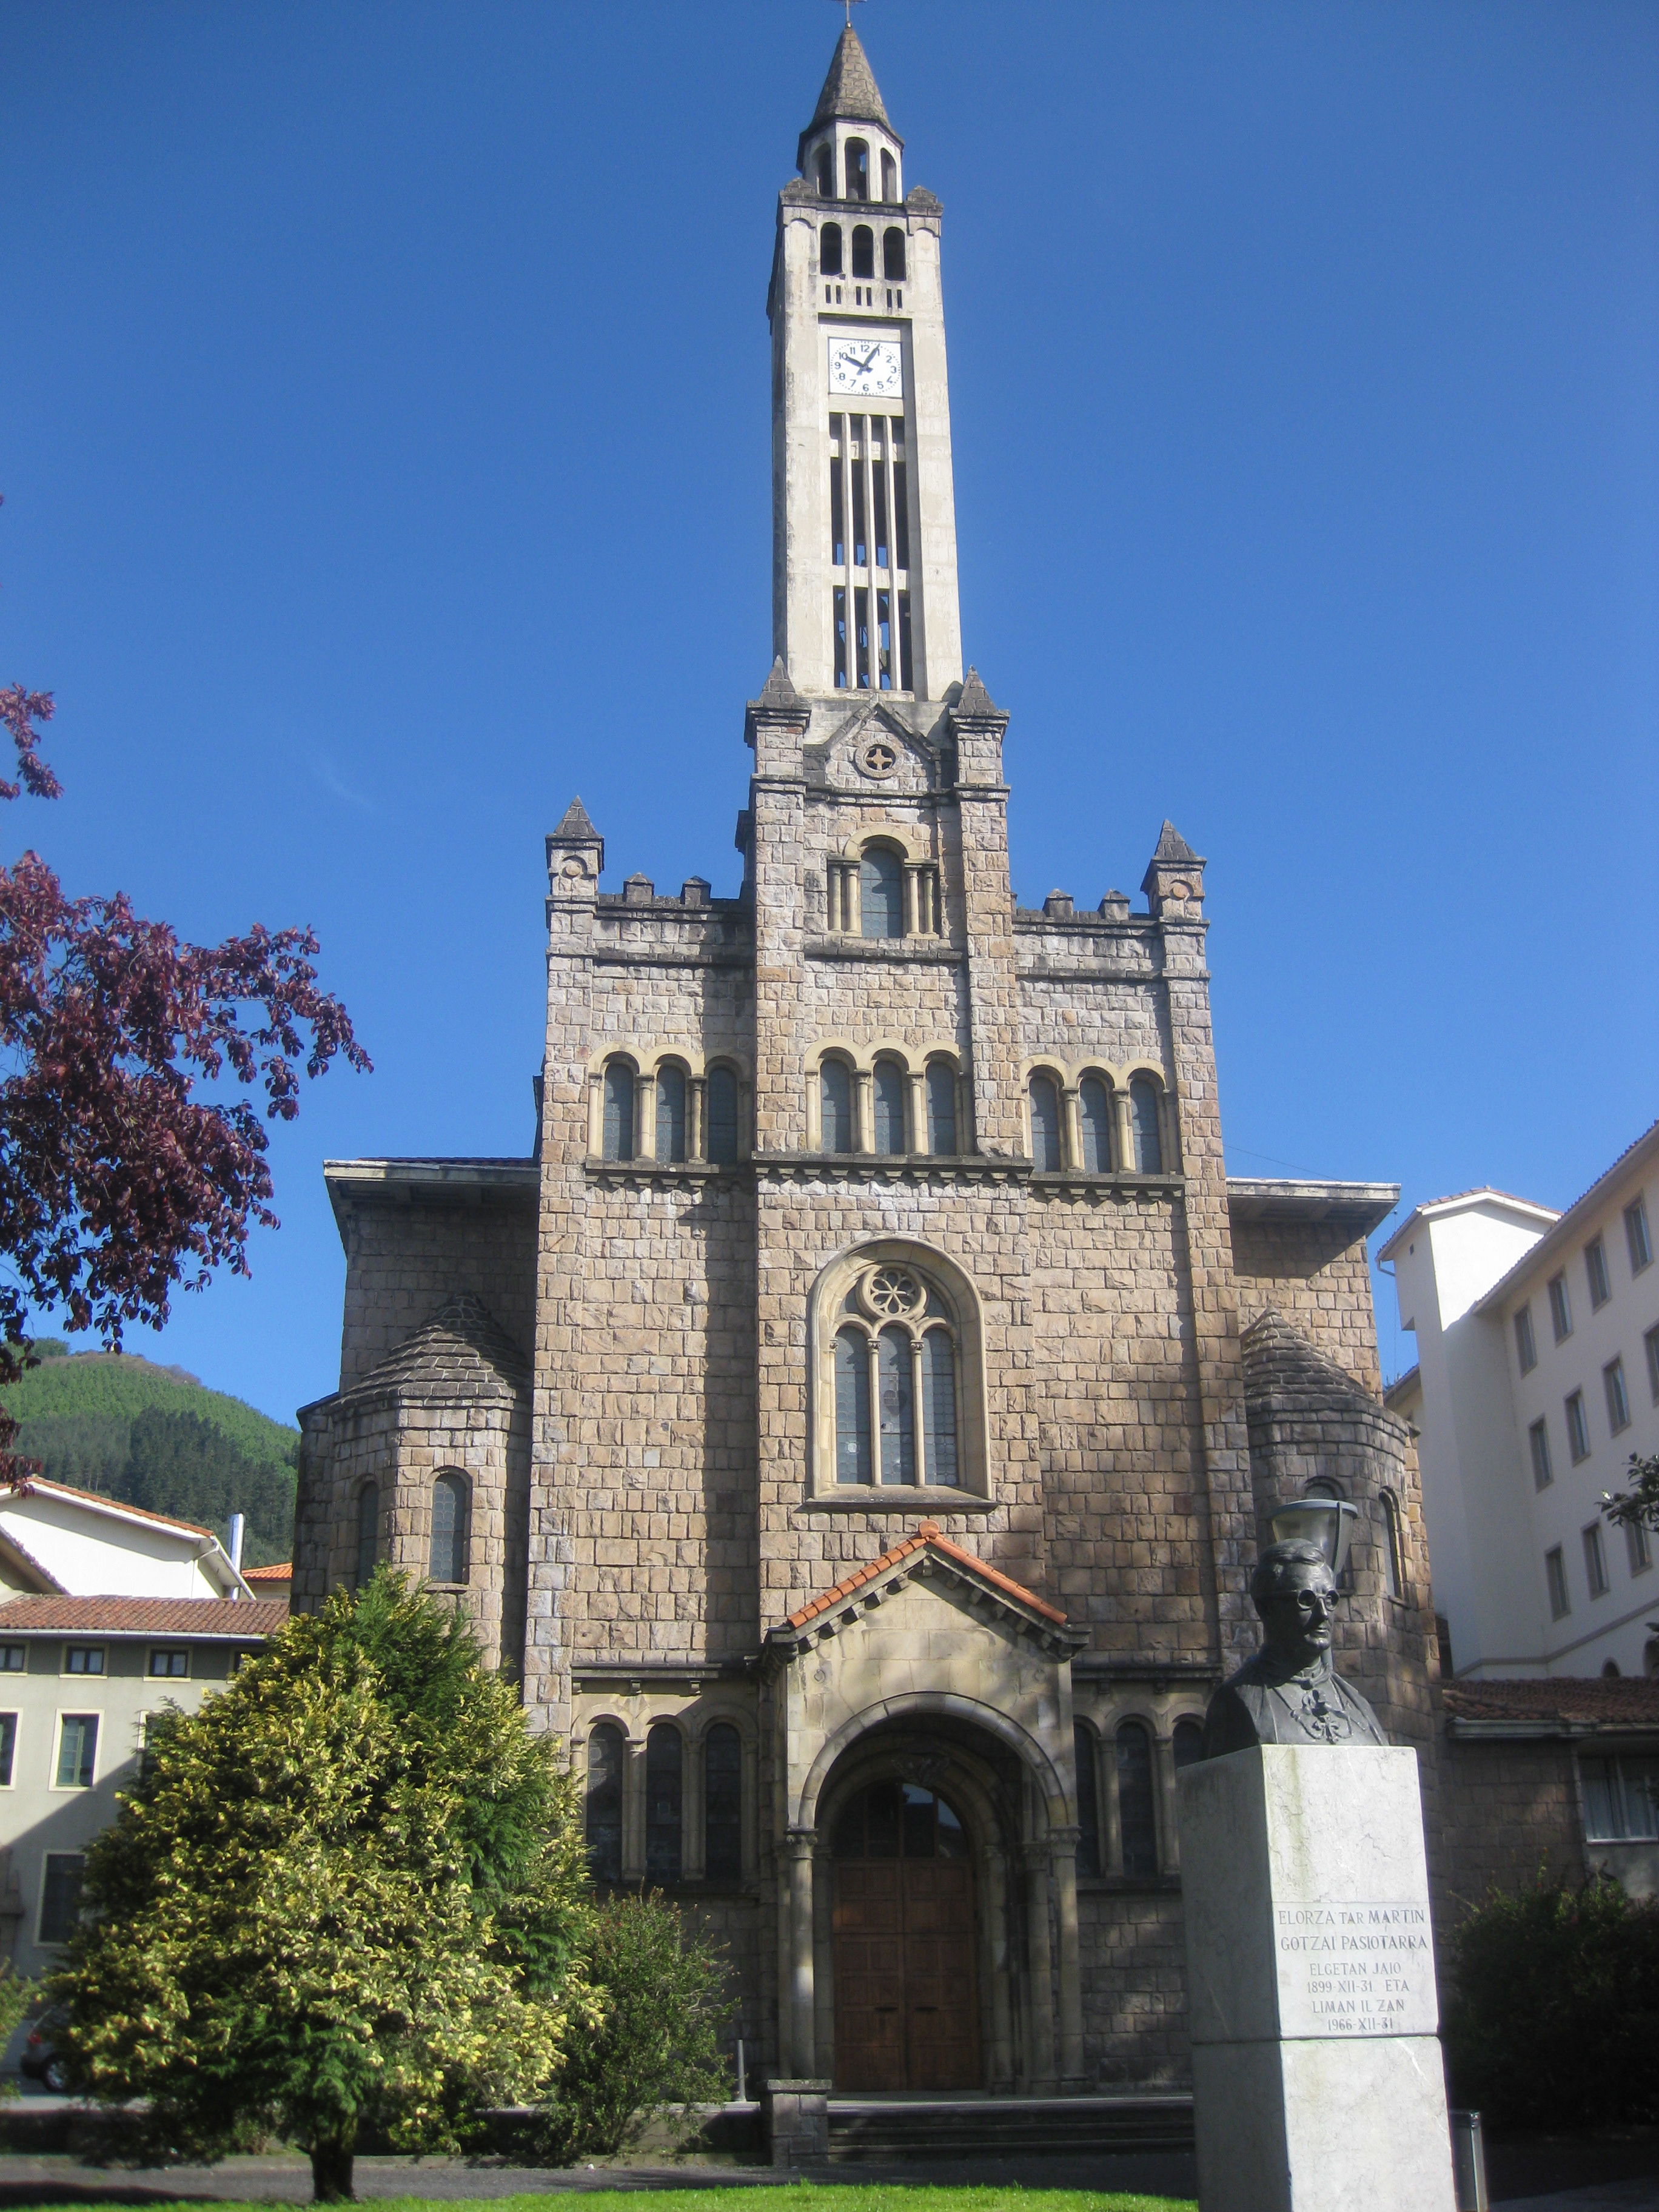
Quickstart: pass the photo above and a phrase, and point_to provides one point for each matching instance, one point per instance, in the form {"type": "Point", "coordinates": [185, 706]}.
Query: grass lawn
{"type": "Point", "coordinates": [784, 2196]}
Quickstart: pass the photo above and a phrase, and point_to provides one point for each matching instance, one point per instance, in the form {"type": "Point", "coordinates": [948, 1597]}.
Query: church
{"type": "Point", "coordinates": [855, 1423]}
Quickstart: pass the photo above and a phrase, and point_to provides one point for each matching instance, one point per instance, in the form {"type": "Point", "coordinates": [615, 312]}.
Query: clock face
{"type": "Point", "coordinates": [871, 367]}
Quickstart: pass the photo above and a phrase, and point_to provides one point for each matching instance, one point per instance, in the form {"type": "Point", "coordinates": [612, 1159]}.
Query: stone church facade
{"type": "Point", "coordinates": [854, 1423]}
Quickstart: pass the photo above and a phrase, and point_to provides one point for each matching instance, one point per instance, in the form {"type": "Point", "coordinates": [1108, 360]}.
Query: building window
{"type": "Point", "coordinates": [448, 1560]}
{"type": "Point", "coordinates": [895, 1352]}
{"type": "Point", "coordinates": [892, 256]}
{"type": "Point", "coordinates": [77, 1750]}
{"type": "Point", "coordinates": [1144, 1120]}
{"type": "Point", "coordinates": [1394, 1547]}
{"type": "Point", "coordinates": [60, 1896]}
{"type": "Point", "coordinates": [858, 170]}
{"type": "Point", "coordinates": [169, 1664]}
{"type": "Point", "coordinates": [1526, 1347]}
{"type": "Point", "coordinates": [722, 1803]}
{"type": "Point", "coordinates": [14, 1658]}
{"type": "Point", "coordinates": [671, 1112]}
{"type": "Point", "coordinates": [1555, 1574]}
{"type": "Point", "coordinates": [1088, 1800]}
{"type": "Point", "coordinates": [829, 250]}
{"type": "Point", "coordinates": [1596, 1267]}
{"type": "Point", "coordinates": [1636, 1237]}
{"type": "Point", "coordinates": [941, 1108]}
{"type": "Point", "coordinates": [888, 1088]}
{"type": "Point", "coordinates": [721, 1135]}
{"type": "Point", "coordinates": [1596, 1563]}
{"type": "Point", "coordinates": [881, 893]}
{"type": "Point", "coordinates": [617, 1141]}
{"type": "Point", "coordinates": [1560, 1309]}
{"type": "Point", "coordinates": [604, 1808]}
{"type": "Point", "coordinates": [864, 251]}
{"type": "Point", "coordinates": [1578, 1432]}
{"type": "Point", "coordinates": [1612, 1382]}
{"type": "Point", "coordinates": [1650, 1345]}
{"type": "Point", "coordinates": [369, 1532]}
{"type": "Point", "coordinates": [1047, 1156]}
{"type": "Point", "coordinates": [7, 1748]}
{"type": "Point", "coordinates": [1538, 1435]}
{"type": "Point", "coordinates": [1137, 1815]}
{"type": "Point", "coordinates": [1636, 1548]}
{"type": "Point", "coordinates": [889, 184]}
{"type": "Point", "coordinates": [663, 1757]}
{"type": "Point", "coordinates": [84, 1659]}
{"type": "Point", "coordinates": [1621, 1800]}
{"type": "Point", "coordinates": [836, 1107]}
{"type": "Point", "coordinates": [1094, 1113]}
{"type": "Point", "coordinates": [1187, 1742]}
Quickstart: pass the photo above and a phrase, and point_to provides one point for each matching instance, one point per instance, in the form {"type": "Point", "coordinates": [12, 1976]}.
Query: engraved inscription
{"type": "Point", "coordinates": [1355, 1969]}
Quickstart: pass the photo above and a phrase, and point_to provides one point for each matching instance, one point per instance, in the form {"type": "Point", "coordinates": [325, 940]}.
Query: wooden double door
{"type": "Point", "coordinates": [907, 2008]}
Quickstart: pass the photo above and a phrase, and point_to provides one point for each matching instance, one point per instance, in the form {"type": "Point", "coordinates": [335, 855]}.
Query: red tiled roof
{"type": "Point", "coordinates": [145, 1616]}
{"type": "Point", "coordinates": [927, 1537]}
{"type": "Point", "coordinates": [110, 1505]}
{"type": "Point", "coordinates": [281, 1574]}
{"type": "Point", "coordinates": [1583, 1701]}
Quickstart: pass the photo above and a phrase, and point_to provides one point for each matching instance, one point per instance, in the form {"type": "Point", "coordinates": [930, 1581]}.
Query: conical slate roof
{"type": "Point", "coordinates": [1172, 846]}
{"type": "Point", "coordinates": [1283, 1365]}
{"type": "Point", "coordinates": [462, 1352]}
{"type": "Point", "coordinates": [575, 829]}
{"type": "Point", "coordinates": [850, 90]}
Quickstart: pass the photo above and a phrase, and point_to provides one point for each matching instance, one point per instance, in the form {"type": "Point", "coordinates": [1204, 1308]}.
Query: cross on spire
{"type": "Point", "coordinates": [849, 5]}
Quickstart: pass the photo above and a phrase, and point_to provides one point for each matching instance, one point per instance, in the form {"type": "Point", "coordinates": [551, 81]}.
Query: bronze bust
{"type": "Point", "coordinates": [1289, 1693]}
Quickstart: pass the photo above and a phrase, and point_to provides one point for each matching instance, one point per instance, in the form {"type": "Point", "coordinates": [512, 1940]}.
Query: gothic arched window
{"type": "Point", "coordinates": [671, 1112]}
{"type": "Point", "coordinates": [889, 1086]}
{"type": "Point", "coordinates": [836, 1107]}
{"type": "Point", "coordinates": [858, 171]}
{"type": "Point", "coordinates": [1144, 1119]}
{"type": "Point", "coordinates": [1047, 1156]}
{"type": "Point", "coordinates": [722, 1803]}
{"type": "Point", "coordinates": [369, 1533]}
{"type": "Point", "coordinates": [664, 1771]}
{"type": "Point", "coordinates": [829, 250]}
{"type": "Point", "coordinates": [1094, 1113]}
{"type": "Point", "coordinates": [720, 1134]}
{"type": "Point", "coordinates": [617, 1142]}
{"type": "Point", "coordinates": [863, 250]}
{"type": "Point", "coordinates": [826, 173]}
{"type": "Point", "coordinates": [941, 1107]}
{"type": "Point", "coordinates": [881, 892]}
{"type": "Point", "coordinates": [889, 182]}
{"type": "Point", "coordinates": [448, 1560]}
{"type": "Point", "coordinates": [604, 1807]}
{"type": "Point", "coordinates": [1137, 1815]}
{"type": "Point", "coordinates": [892, 256]}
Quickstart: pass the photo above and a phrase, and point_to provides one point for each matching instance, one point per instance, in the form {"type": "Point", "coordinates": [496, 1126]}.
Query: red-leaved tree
{"type": "Point", "coordinates": [118, 1180]}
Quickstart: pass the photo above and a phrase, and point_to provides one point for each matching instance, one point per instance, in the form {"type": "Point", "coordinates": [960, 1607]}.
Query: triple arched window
{"type": "Point", "coordinates": [881, 892]}
{"type": "Point", "coordinates": [662, 1777]}
{"type": "Point", "coordinates": [668, 1113]}
{"type": "Point", "coordinates": [1130, 1796]}
{"type": "Point", "coordinates": [1096, 1126]}
{"type": "Point", "coordinates": [897, 1415]}
{"type": "Point", "coordinates": [888, 1108]}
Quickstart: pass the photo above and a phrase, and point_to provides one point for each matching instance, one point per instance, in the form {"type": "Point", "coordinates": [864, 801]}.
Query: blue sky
{"type": "Point", "coordinates": [384, 433]}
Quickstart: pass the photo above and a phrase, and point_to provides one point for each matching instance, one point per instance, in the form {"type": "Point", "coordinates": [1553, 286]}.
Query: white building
{"type": "Point", "coordinates": [56, 1540]}
{"type": "Point", "coordinates": [1537, 1378]}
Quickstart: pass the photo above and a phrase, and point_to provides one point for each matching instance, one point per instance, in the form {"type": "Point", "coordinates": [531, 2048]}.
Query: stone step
{"type": "Point", "coordinates": [875, 2127]}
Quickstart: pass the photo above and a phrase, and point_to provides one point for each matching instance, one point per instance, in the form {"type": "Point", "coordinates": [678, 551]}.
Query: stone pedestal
{"type": "Point", "coordinates": [1317, 2066]}
{"type": "Point", "coordinates": [798, 2122]}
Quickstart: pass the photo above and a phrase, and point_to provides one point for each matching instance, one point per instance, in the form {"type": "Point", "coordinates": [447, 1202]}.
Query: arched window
{"type": "Point", "coordinates": [889, 181]}
{"type": "Point", "coordinates": [897, 1819]}
{"type": "Point", "coordinates": [721, 1141]}
{"type": "Point", "coordinates": [1394, 1548]}
{"type": "Point", "coordinates": [1186, 1742]}
{"type": "Point", "coordinates": [1143, 1116]}
{"type": "Point", "coordinates": [835, 1106]}
{"type": "Point", "coordinates": [369, 1533]}
{"type": "Point", "coordinates": [898, 1408]}
{"type": "Point", "coordinates": [881, 892]}
{"type": "Point", "coordinates": [892, 256]}
{"type": "Point", "coordinates": [1137, 1816]}
{"type": "Point", "coordinates": [863, 250]}
{"type": "Point", "coordinates": [829, 250]}
{"type": "Point", "coordinates": [824, 166]}
{"type": "Point", "coordinates": [1047, 1156]}
{"type": "Point", "coordinates": [857, 169]}
{"type": "Point", "coordinates": [1088, 1800]}
{"type": "Point", "coordinates": [896, 1384]}
{"type": "Point", "coordinates": [619, 1138]}
{"type": "Point", "coordinates": [1094, 1112]}
{"type": "Point", "coordinates": [938, 1412]}
{"type": "Point", "coordinates": [722, 1803]}
{"type": "Point", "coordinates": [853, 1407]}
{"type": "Point", "coordinates": [605, 1801]}
{"type": "Point", "coordinates": [663, 1765]}
{"type": "Point", "coordinates": [447, 1563]}
{"type": "Point", "coordinates": [941, 1108]}
{"type": "Point", "coordinates": [889, 1088]}
{"type": "Point", "coordinates": [671, 1112]}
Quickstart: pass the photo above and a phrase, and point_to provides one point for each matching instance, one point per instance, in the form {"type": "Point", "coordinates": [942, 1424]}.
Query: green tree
{"type": "Point", "coordinates": [349, 1890]}
{"type": "Point", "coordinates": [1640, 1503]}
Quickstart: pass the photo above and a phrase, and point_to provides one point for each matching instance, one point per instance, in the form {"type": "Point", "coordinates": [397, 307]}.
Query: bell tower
{"type": "Point", "coordinates": [864, 530]}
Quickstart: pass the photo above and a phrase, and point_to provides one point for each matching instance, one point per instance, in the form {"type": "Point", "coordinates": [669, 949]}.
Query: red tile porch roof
{"type": "Point", "coordinates": [927, 1538]}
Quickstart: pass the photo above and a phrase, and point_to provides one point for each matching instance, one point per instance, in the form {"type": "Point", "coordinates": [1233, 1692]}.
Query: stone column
{"type": "Point", "coordinates": [864, 1110]}
{"type": "Point", "coordinates": [797, 2023]}
{"type": "Point", "coordinates": [1123, 1136]}
{"type": "Point", "coordinates": [645, 1118]}
{"type": "Point", "coordinates": [912, 901]}
{"type": "Point", "coordinates": [918, 1131]}
{"type": "Point", "coordinates": [1041, 2058]}
{"type": "Point", "coordinates": [823, 1963]}
{"type": "Point", "coordinates": [1073, 1126]}
{"type": "Point", "coordinates": [696, 1142]}
{"type": "Point", "coordinates": [994, 1868]}
{"type": "Point", "coordinates": [1063, 1858]}
{"type": "Point", "coordinates": [1168, 1824]}
{"type": "Point", "coordinates": [633, 1793]}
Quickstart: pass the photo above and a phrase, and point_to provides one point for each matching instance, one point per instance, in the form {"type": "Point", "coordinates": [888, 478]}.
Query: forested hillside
{"type": "Point", "coordinates": [155, 1437]}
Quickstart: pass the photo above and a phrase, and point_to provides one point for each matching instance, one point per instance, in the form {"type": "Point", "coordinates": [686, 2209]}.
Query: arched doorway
{"type": "Point", "coordinates": [905, 1934]}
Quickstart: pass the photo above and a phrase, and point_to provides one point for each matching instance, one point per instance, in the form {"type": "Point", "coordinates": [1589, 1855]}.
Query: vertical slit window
{"type": "Point", "coordinates": [883, 641]}
{"type": "Point", "coordinates": [618, 1111]}
{"type": "Point", "coordinates": [901, 500]}
{"type": "Point", "coordinates": [860, 540]}
{"type": "Point", "coordinates": [941, 1108]}
{"type": "Point", "coordinates": [861, 618]}
{"type": "Point", "coordinates": [897, 1407]}
{"type": "Point", "coordinates": [1088, 1800]}
{"type": "Point", "coordinates": [663, 1758]}
{"type": "Point", "coordinates": [722, 1803]}
{"type": "Point", "coordinates": [826, 169]}
{"type": "Point", "coordinates": [853, 1407]}
{"type": "Point", "coordinates": [835, 1106]}
{"type": "Point", "coordinates": [1393, 1549]}
{"type": "Point", "coordinates": [604, 1803]}
{"type": "Point", "coordinates": [889, 177]}
{"type": "Point", "coordinates": [889, 1102]}
{"type": "Point", "coordinates": [841, 637]}
{"type": "Point", "coordinates": [881, 893]}
{"type": "Point", "coordinates": [830, 249]}
{"type": "Point", "coordinates": [1143, 1116]}
{"type": "Point", "coordinates": [722, 1137]}
{"type": "Point", "coordinates": [671, 1112]}
{"type": "Point", "coordinates": [907, 683]}
{"type": "Point", "coordinates": [1046, 1156]}
{"type": "Point", "coordinates": [1136, 1813]}
{"type": "Point", "coordinates": [864, 251]}
{"type": "Point", "coordinates": [369, 1532]}
{"type": "Point", "coordinates": [858, 175]}
{"type": "Point", "coordinates": [837, 515]}
{"type": "Point", "coordinates": [892, 256]}
{"type": "Point", "coordinates": [1094, 1103]}
{"type": "Point", "coordinates": [878, 501]}
{"type": "Point", "coordinates": [448, 1559]}
{"type": "Point", "coordinates": [938, 1382]}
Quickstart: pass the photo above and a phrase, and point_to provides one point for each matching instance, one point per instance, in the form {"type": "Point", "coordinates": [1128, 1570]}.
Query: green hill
{"type": "Point", "coordinates": [157, 1436]}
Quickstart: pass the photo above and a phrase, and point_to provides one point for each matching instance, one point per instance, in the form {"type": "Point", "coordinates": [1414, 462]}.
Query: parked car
{"type": "Point", "coordinates": [41, 2060]}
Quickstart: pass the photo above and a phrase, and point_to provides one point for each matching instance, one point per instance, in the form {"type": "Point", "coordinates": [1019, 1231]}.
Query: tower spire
{"type": "Point", "coordinates": [850, 92]}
